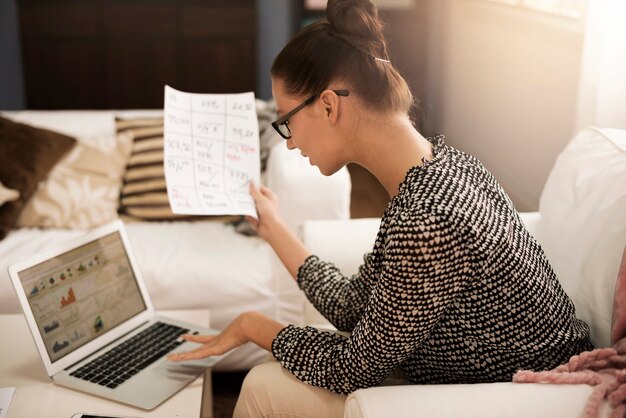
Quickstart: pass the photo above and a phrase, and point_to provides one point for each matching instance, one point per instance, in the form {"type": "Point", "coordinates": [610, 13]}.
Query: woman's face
{"type": "Point", "coordinates": [310, 131]}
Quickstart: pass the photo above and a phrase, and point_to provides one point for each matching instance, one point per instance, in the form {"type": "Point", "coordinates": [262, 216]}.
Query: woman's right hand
{"type": "Point", "coordinates": [266, 203]}
{"type": "Point", "coordinates": [271, 227]}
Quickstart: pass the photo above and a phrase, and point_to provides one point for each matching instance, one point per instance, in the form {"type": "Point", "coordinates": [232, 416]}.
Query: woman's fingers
{"type": "Point", "coordinates": [268, 193]}
{"type": "Point", "coordinates": [201, 352]}
{"type": "Point", "coordinates": [262, 191]}
{"type": "Point", "coordinates": [254, 192]}
{"type": "Point", "coordinates": [198, 338]}
{"type": "Point", "coordinates": [198, 353]}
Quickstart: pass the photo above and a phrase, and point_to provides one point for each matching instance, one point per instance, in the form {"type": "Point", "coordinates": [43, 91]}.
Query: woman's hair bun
{"type": "Point", "coordinates": [357, 21]}
{"type": "Point", "coordinates": [346, 49]}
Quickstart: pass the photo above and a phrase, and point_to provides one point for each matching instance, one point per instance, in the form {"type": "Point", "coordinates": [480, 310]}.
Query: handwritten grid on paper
{"type": "Point", "coordinates": [211, 152]}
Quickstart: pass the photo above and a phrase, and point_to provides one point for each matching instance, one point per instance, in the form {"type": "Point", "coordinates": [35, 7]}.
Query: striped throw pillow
{"type": "Point", "coordinates": [144, 194]}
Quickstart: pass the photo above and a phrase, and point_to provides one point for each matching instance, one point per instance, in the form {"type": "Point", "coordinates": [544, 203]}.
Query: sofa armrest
{"type": "Point", "coordinates": [487, 400]}
{"type": "Point", "coordinates": [303, 192]}
{"type": "Point", "coordinates": [342, 242]}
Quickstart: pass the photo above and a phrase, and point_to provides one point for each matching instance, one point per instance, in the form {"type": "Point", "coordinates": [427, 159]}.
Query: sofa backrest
{"type": "Point", "coordinates": [583, 223]}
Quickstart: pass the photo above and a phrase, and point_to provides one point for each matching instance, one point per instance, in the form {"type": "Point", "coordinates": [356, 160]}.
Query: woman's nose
{"type": "Point", "coordinates": [290, 144]}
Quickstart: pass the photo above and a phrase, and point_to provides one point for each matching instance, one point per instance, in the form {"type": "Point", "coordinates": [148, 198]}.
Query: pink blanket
{"type": "Point", "coordinates": [604, 368]}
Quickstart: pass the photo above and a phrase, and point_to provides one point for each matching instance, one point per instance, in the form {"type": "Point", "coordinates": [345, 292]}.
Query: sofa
{"type": "Point", "coordinates": [581, 226]}
{"type": "Point", "coordinates": [187, 263]}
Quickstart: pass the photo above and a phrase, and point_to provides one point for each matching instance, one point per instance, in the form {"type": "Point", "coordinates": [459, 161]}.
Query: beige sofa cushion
{"type": "Point", "coordinates": [82, 190]}
{"type": "Point", "coordinates": [7, 195]}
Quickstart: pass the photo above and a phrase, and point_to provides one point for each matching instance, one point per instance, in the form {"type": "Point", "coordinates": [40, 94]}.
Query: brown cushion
{"type": "Point", "coordinates": [27, 154]}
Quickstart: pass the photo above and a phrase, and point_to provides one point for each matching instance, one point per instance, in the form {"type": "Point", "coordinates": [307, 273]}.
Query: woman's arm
{"type": "Point", "coordinates": [340, 299]}
{"type": "Point", "coordinates": [271, 227]}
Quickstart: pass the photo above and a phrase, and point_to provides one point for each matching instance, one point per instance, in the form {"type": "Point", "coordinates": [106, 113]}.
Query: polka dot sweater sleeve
{"type": "Point", "coordinates": [340, 299]}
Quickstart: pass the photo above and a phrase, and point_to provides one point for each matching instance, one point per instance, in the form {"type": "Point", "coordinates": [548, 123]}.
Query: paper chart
{"type": "Point", "coordinates": [211, 152]}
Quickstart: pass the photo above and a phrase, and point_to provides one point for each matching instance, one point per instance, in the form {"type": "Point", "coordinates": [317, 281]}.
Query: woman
{"type": "Point", "coordinates": [455, 289]}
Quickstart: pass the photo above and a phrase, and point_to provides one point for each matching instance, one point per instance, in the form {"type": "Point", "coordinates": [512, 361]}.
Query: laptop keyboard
{"type": "Point", "coordinates": [116, 366]}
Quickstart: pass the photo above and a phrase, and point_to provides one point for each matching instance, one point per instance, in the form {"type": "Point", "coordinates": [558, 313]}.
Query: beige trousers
{"type": "Point", "coordinates": [270, 391]}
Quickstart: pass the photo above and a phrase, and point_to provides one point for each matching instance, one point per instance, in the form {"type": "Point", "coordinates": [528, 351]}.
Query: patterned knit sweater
{"type": "Point", "coordinates": [455, 291]}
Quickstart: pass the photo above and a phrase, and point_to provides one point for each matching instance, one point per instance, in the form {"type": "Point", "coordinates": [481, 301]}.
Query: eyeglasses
{"type": "Point", "coordinates": [282, 124]}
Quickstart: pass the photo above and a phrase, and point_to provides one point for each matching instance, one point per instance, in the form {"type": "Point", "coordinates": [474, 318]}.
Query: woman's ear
{"type": "Point", "coordinates": [330, 104]}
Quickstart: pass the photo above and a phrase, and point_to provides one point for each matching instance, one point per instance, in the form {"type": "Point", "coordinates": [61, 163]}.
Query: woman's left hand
{"type": "Point", "coordinates": [214, 345]}
{"type": "Point", "coordinates": [249, 326]}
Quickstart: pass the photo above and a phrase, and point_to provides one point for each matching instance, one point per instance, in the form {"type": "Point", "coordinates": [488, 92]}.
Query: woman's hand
{"type": "Point", "coordinates": [270, 227]}
{"type": "Point", "coordinates": [214, 345]}
{"type": "Point", "coordinates": [266, 203]}
{"type": "Point", "coordinates": [249, 326]}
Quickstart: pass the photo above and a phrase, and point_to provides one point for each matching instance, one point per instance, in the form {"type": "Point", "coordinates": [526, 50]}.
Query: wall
{"type": "Point", "coordinates": [503, 87]}
{"type": "Point", "coordinates": [275, 26]}
{"type": "Point", "coordinates": [276, 23]}
{"type": "Point", "coordinates": [502, 83]}
{"type": "Point", "coordinates": [11, 83]}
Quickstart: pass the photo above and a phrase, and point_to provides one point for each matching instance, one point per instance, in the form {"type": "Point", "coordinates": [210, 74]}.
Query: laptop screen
{"type": "Point", "coordinates": [81, 294]}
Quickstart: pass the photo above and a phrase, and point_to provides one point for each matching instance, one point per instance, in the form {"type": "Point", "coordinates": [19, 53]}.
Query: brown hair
{"type": "Point", "coordinates": [343, 47]}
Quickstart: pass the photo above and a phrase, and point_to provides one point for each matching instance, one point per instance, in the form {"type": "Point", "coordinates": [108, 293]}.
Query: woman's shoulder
{"type": "Point", "coordinates": [417, 217]}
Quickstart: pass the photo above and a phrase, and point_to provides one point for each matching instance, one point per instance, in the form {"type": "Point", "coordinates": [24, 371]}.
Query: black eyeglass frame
{"type": "Point", "coordinates": [284, 120]}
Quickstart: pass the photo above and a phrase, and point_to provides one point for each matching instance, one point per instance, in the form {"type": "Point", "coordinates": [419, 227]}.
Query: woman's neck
{"type": "Point", "coordinates": [388, 146]}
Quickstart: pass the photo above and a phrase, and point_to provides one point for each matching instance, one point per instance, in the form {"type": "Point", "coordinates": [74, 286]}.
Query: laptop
{"type": "Point", "coordinates": [94, 324]}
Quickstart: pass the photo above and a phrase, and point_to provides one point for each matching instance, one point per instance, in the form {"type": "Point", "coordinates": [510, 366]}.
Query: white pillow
{"type": "Point", "coordinates": [95, 128]}
{"type": "Point", "coordinates": [583, 223]}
